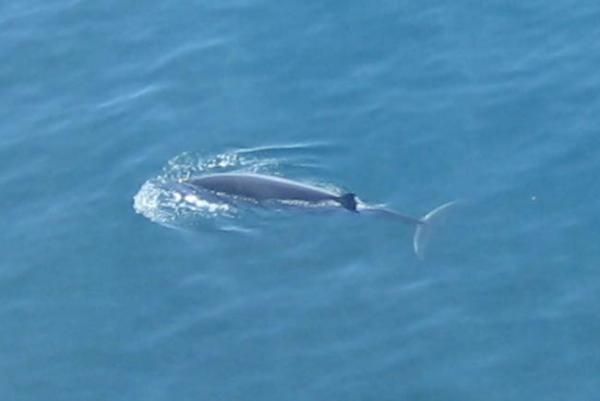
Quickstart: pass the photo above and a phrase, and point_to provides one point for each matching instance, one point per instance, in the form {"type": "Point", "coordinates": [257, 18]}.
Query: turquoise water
{"type": "Point", "coordinates": [110, 292]}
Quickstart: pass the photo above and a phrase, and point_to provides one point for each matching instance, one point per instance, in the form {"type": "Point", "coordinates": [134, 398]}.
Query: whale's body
{"type": "Point", "coordinates": [260, 187]}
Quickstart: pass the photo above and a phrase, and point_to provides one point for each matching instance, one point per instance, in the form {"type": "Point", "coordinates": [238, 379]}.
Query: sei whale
{"type": "Point", "coordinates": [260, 187]}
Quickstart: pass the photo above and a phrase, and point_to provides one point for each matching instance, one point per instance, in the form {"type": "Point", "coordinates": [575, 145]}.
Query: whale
{"type": "Point", "coordinates": [262, 187]}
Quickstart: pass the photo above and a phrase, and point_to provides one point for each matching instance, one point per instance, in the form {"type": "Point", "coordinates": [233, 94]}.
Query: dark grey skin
{"type": "Point", "coordinates": [265, 187]}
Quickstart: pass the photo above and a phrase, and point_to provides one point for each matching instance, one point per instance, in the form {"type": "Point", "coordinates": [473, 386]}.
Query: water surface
{"type": "Point", "coordinates": [406, 104]}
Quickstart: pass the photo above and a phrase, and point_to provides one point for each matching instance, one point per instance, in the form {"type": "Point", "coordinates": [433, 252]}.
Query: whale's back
{"type": "Point", "coordinates": [262, 187]}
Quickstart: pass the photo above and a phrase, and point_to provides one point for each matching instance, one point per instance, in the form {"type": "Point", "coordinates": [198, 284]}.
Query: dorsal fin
{"type": "Point", "coordinates": [348, 201]}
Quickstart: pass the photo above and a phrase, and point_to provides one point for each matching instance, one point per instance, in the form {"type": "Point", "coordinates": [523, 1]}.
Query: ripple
{"type": "Point", "coordinates": [129, 96]}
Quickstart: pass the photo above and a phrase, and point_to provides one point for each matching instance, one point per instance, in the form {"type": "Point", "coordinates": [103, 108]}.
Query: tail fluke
{"type": "Point", "coordinates": [423, 230]}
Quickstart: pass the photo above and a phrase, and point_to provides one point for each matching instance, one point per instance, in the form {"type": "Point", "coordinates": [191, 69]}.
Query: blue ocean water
{"type": "Point", "coordinates": [110, 292]}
